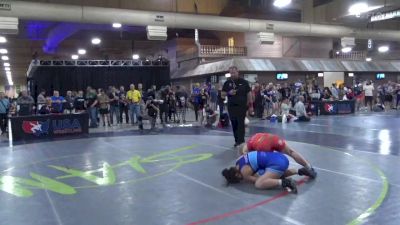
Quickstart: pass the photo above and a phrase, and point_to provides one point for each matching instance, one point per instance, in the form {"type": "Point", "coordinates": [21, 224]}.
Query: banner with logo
{"type": "Point", "coordinates": [336, 107]}
{"type": "Point", "coordinates": [48, 126]}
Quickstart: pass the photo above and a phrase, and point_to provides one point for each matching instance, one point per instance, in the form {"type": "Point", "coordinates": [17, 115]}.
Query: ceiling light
{"type": "Point", "coordinates": [368, 59]}
{"type": "Point", "coordinates": [351, 74]}
{"type": "Point", "coordinates": [384, 48]}
{"type": "Point", "coordinates": [3, 51]}
{"type": "Point", "coordinates": [74, 57]}
{"type": "Point", "coordinates": [96, 41]}
{"type": "Point", "coordinates": [10, 82]}
{"type": "Point", "coordinates": [135, 56]}
{"type": "Point", "coordinates": [8, 73]}
{"type": "Point", "coordinates": [117, 25]}
{"type": "Point", "coordinates": [227, 75]}
{"type": "Point", "coordinates": [337, 53]}
{"type": "Point", "coordinates": [346, 49]}
{"type": "Point", "coordinates": [5, 58]}
{"type": "Point", "coordinates": [3, 39]}
{"type": "Point", "coordinates": [282, 3]}
{"type": "Point", "coordinates": [320, 74]}
{"type": "Point", "coordinates": [7, 68]}
{"type": "Point", "coordinates": [9, 76]}
{"type": "Point", "coordinates": [358, 8]}
{"type": "Point", "coordinates": [6, 64]}
{"type": "Point", "coordinates": [81, 51]}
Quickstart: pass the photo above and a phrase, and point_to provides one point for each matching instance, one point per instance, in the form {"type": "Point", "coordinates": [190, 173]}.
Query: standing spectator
{"type": "Point", "coordinates": [181, 103]}
{"type": "Point", "coordinates": [4, 108]}
{"type": "Point", "coordinates": [172, 106]}
{"type": "Point", "coordinates": [164, 110]}
{"type": "Point", "coordinates": [122, 90]}
{"type": "Point", "coordinates": [104, 103]}
{"type": "Point", "coordinates": [397, 95]}
{"type": "Point", "coordinates": [301, 113]}
{"type": "Point", "coordinates": [134, 97]}
{"type": "Point", "coordinates": [285, 91]}
{"type": "Point", "coordinates": [195, 100]}
{"type": "Point", "coordinates": [268, 99]}
{"type": "Point", "coordinates": [152, 92]}
{"type": "Point", "coordinates": [69, 102]}
{"type": "Point", "coordinates": [92, 107]}
{"type": "Point", "coordinates": [213, 97]}
{"type": "Point", "coordinates": [239, 99]}
{"type": "Point", "coordinates": [25, 104]}
{"type": "Point", "coordinates": [335, 92]}
{"type": "Point", "coordinates": [203, 101]}
{"type": "Point", "coordinates": [46, 108]}
{"type": "Point", "coordinates": [114, 105]}
{"type": "Point", "coordinates": [57, 102]}
{"type": "Point", "coordinates": [258, 101]}
{"type": "Point", "coordinates": [369, 94]}
{"type": "Point", "coordinates": [79, 103]}
{"type": "Point", "coordinates": [41, 99]}
{"type": "Point", "coordinates": [349, 94]}
{"type": "Point", "coordinates": [123, 108]}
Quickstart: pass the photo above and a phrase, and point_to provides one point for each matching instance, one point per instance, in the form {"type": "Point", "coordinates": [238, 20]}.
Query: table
{"type": "Point", "coordinates": [333, 107]}
{"type": "Point", "coordinates": [48, 126]}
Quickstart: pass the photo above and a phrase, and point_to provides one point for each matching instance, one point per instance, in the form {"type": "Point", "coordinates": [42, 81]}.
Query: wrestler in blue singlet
{"type": "Point", "coordinates": [260, 162]}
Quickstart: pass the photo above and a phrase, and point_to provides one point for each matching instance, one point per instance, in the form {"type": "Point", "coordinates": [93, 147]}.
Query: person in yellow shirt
{"type": "Point", "coordinates": [134, 97]}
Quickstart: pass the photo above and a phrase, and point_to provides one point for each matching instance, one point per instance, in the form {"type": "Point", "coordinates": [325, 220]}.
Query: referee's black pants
{"type": "Point", "coordinates": [237, 116]}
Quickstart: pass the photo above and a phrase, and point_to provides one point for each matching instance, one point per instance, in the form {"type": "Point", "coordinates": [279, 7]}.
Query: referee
{"type": "Point", "coordinates": [239, 100]}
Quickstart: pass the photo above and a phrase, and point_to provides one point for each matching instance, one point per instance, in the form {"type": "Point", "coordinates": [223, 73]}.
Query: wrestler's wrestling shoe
{"type": "Point", "coordinates": [308, 172]}
{"type": "Point", "coordinates": [290, 184]}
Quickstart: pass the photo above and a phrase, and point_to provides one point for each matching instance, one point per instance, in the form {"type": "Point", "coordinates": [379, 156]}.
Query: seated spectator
{"type": "Point", "coordinates": [25, 104]}
{"type": "Point", "coordinates": [301, 113]}
{"type": "Point", "coordinates": [57, 102]}
{"type": "Point", "coordinates": [285, 108]}
{"type": "Point", "coordinates": [79, 103]}
{"type": "Point", "coordinates": [211, 116]}
{"type": "Point", "coordinates": [46, 108]}
{"type": "Point", "coordinates": [327, 96]}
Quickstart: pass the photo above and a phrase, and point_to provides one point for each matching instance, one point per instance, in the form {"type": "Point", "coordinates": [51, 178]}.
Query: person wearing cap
{"type": "Point", "coordinates": [266, 142]}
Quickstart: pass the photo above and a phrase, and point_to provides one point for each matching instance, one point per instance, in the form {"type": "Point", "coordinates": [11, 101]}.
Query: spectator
{"type": "Point", "coordinates": [221, 101]}
{"type": "Point", "coordinates": [285, 108]}
{"type": "Point", "coordinates": [134, 97]}
{"type": "Point", "coordinates": [69, 102]}
{"type": "Point", "coordinates": [104, 103]}
{"type": "Point", "coordinates": [334, 92]}
{"type": "Point", "coordinates": [211, 116]}
{"type": "Point", "coordinates": [163, 106]}
{"type": "Point", "coordinates": [25, 104]}
{"type": "Point", "coordinates": [114, 105]}
{"type": "Point", "coordinates": [301, 113]}
{"type": "Point", "coordinates": [181, 103]}
{"type": "Point", "coordinates": [79, 103]}
{"type": "Point", "coordinates": [152, 111]}
{"type": "Point", "coordinates": [213, 97]}
{"type": "Point", "coordinates": [327, 94]}
{"type": "Point", "coordinates": [57, 102]}
{"type": "Point", "coordinates": [258, 101]}
{"type": "Point", "coordinates": [172, 106]}
{"type": "Point", "coordinates": [41, 99]}
{"type": "Point", "coordinates": [195, 99]}
{"type": "Point", "coordinates": [123, 108]}
{"type": "Point", "coordinates": [92, 107]}
{"type": "Point", "coordinates": [4, 109]}
{"type": "Point", "coordinates": [397, 95]}
{"type": "Point", "coordinates": [46, 108]}
{"type": "Point", "coordinates": [369, 94]}
{"type": "Point", "coordinates": [349, 94]}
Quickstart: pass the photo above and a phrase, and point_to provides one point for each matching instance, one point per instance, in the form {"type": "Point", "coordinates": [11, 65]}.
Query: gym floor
{"type": "Point", "coordinates": [174, 177]}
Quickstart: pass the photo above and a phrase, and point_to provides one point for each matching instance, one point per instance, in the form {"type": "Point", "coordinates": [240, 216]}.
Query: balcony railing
{"type": "Point", "coordinates": [221, 51]}
{"type": "Point", "coordinates": [353, 55]}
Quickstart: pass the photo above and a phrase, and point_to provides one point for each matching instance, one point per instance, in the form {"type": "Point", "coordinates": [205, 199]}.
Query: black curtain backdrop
{"type": "Point", "coordinates": [73, 78]}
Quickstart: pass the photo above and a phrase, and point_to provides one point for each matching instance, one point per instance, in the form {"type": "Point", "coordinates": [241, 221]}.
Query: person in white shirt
{"type": "Point", "coordinates": [301, 113]}
{"type": "Point", "coordinates": [369, 94]}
